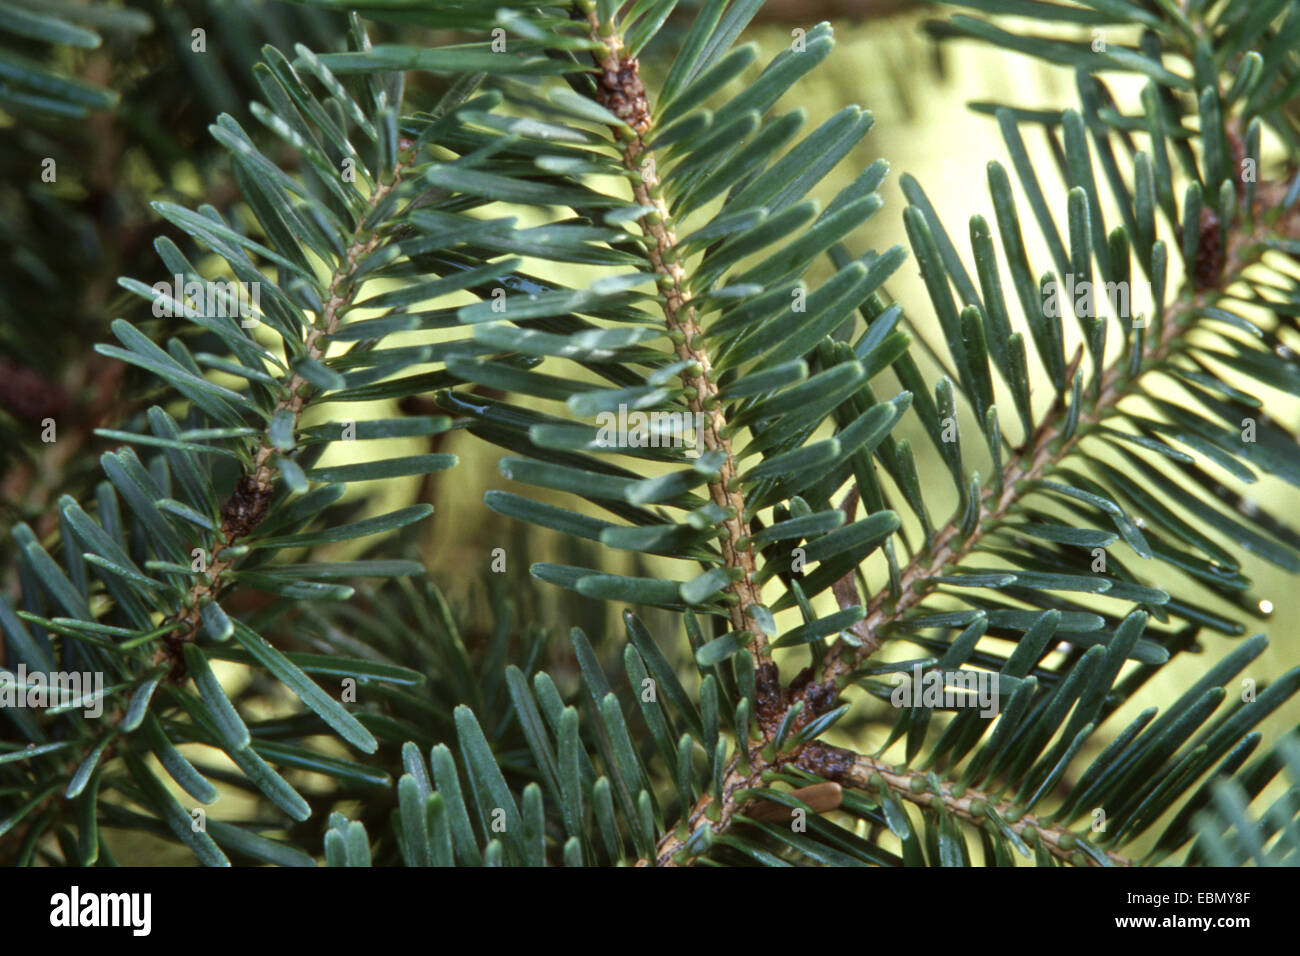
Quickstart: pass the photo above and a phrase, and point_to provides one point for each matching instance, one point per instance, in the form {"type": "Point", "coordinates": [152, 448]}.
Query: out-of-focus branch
{"type": "Point", "coordinates": [813, 11]}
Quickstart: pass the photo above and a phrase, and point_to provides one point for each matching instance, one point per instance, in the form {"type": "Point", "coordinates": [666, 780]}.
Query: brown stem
{"type": "Point", "coordinates": [248, 504]}
{"type": "Point", "coordinates": [621, 90]}
{"type": "Point", "coordinates": [871, 773]}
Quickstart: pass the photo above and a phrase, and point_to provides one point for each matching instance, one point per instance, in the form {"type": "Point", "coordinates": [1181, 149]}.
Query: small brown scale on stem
{"type": "Point", "coordinates": [623, 94]}
{"type": "Point", "coordinates": [771, 702]}
{"type": "Point", "coordinates": [1207, 267]}
{"type": "Point", "coordinates": [245, 509]}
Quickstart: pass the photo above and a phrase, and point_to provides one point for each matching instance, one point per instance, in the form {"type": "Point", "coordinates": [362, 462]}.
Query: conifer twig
{"type": "Point", "coordinates": [1035, 459]}
{"type": "Point", "coordinates": [1044, 449]}
{"type": "Point", "coordinates": [247, 505]}
{"type": "Point", "coordinates": [621, 90]}
{"type": "Point", "coordinates": [973, 806]}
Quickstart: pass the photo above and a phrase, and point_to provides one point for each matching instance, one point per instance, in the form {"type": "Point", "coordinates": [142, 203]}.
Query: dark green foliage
{"type": "Point", "coordinates": [724, 300]}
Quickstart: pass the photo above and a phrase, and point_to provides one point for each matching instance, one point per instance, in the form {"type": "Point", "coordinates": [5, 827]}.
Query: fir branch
{"type": "Point", "coordinates": [972, 806]}
{"type": "Point", "coordinates": [248, 504]}
{"type": "Point", "coordinates": [1038, 456]}
{"type": "Point", "coordinates": [590, 793]}
{"type": "Point", "coordinates": [621, 90]}
{"type": "Point", "coordinates": [863, 772]}
{"type": "Point", "coordinates": [1042, 452]}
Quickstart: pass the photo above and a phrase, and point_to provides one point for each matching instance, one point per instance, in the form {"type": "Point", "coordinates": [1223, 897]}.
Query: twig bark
{"type": "Point", "coordinates": [249, 502]}
{"type": "Point", "coordinates": [972, 806]}
{"type": "Point", "coordinates": [621, 90]}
